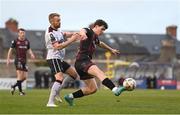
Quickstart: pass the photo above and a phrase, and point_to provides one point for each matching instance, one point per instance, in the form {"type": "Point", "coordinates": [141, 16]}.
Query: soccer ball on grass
{"type": "Point", "coordinates": [129, 84]}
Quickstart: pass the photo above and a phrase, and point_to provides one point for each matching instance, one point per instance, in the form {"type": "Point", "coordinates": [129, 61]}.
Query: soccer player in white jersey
{"type": "Point", "coordinates": [55, 45]}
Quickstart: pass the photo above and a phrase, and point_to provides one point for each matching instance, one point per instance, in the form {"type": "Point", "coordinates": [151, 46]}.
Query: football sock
{"type": "Point", "coordinates": [108, 83]}
{"type": "Point", "coordinates": [64, 83]}
{"type": "Point", "coordinates": [77, 94]}
{"type": "Point", "coordinates": [54, 90]}
{"type": "Point", "coordinates": [73, 77]}
{"type": "Point", "coordinates": [15, 84]}
{"type": "Point", "coordinates": [19, 85]}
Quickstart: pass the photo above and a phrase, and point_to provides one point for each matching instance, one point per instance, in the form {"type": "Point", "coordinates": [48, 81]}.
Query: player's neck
{"type": "Point", "coordinates": [21, 39]}
{"type": "Point", "coordinates": [94, 30]}
{"type": "Point", "coordinates": [54, 27]}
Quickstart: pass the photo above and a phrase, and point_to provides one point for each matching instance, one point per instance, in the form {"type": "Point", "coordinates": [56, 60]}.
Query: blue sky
{"type": "Point", "coordinates": [123, 16]}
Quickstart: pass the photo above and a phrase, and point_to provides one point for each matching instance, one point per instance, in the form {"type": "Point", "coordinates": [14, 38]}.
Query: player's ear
{"type": "Point", "coordinates": [51, 20]}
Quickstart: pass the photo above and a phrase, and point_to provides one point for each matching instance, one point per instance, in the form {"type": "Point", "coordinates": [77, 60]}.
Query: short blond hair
{"type": "Point", "coordinates": [52, 15]}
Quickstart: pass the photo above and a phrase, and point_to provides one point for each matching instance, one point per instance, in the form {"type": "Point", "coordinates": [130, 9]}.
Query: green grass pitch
{"type": "Point", "coordinates": [102, 102]}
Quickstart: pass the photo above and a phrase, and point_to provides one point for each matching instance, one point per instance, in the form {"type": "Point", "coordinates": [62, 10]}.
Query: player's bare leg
{"type": "Point", "coordinates": [72, 72]}
{"type": "Point", "coordinates": [20, 78]}
{"type": "Point", "coordinates": [90, 88]}
{"type": "Point", "coordinates": [72, 76]}
{"type": "Point", "coordinates": [23, 77]}
{"type": "Point", "coordinates": [95, 71]}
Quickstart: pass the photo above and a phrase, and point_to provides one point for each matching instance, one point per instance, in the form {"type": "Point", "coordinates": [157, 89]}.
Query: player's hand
{"type": "Point", "coordinates": [7, 62]}
{"type": "Point", "coordinates": [83, 35]}
{"type": "Point", "coordinates": [32, 56]}
{"type": "Point", "coordinates": [75, 37]}
{"type": "Point", "coordinates": [115, 51]}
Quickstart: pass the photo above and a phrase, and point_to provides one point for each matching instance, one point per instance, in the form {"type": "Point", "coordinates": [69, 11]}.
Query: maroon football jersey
{"type": "Point", "coordinates": [88, 46]}
{"type": "Point", "coordinates": [21, 47]}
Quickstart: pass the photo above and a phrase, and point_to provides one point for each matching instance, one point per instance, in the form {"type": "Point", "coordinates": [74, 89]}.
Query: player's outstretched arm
{"type": "Point", "coordinates": [70, 40]}
{"type": "Point", "coordinates": [82, 34]}
{"type": "Point", "coordinates": [67, 34]}
{"type": "Point", "coordinates": [105, 46]}
{"type": "Point", "coordinates": [9, 55]}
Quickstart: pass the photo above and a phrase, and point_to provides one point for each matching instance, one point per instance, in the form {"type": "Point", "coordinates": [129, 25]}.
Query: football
{"type": "Point", "coordinates": [129, 84]}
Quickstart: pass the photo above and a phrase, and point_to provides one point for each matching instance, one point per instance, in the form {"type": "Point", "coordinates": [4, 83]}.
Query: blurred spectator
{"type": "Point", "coordinates": [43, 79]}
{"type": "Point", "coordinates": [151, 82]}
{"type": "Point", "coordinates": [155, 81]}
{"type": "Point", "coordinates": [46, 76]}
{"type": "Point", "coordinates": [38, 81]}
{"type": "Point", "coordinates": [148, 82]}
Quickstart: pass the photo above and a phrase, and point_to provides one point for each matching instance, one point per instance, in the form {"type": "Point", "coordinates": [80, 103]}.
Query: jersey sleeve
{"type": "Point", "coordinates": [13, 44]}
{"type": "Point", "coordinates": [28, 45]}
{"type": "Point", "coordinates": [87, 32]}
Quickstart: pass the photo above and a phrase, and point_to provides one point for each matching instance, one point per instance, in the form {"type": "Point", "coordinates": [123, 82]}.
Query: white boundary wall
{"type": "Point", "coordinates": [5, 83]}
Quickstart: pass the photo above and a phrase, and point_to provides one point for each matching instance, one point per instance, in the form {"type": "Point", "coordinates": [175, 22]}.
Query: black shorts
{"type": "Point", "coordinates": [57, 65]}
{"type": "Point", "coordinates": [82, 67]}
{"type": "Point", "coordinates": [20, 65]}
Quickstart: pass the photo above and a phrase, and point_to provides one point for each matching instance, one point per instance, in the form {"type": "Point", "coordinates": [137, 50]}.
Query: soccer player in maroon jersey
{"type": "Point", "coordinates": [21, 46]}
{"type": "Point", "coordinates": [86, 69]}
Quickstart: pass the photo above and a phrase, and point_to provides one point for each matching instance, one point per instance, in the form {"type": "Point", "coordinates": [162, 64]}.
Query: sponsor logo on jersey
{"type": "Point", "coordinates": [23, 47]}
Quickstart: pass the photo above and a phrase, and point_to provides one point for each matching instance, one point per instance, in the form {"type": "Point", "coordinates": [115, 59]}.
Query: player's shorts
{"type": "Point", "coordinates": [20, 65]}
{"type": "Point", "coordinates": [57, 65]}
{"type": "Point", "coordinates": [82, 67]}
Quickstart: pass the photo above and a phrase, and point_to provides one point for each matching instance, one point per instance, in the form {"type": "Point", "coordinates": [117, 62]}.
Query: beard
{"type": "Point", "coordinates": [57, 26]}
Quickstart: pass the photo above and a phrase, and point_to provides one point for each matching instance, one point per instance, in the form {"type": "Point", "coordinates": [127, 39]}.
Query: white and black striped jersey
{"type": "Point", "coordinates": [52, 36]}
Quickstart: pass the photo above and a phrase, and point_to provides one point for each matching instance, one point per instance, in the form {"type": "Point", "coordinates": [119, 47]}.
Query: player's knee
{"type": "Point", "coordinates": [58, 77]}
{"type": "Point", "coordinates": [24, 78]}
{"type": "Point", "coordinates": [88, 91]}
{"type": "Point", "coordinates": [93, 90]}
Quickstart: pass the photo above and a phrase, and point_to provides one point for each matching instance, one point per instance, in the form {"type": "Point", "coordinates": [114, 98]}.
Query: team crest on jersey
{"type": "Point", "coordinates": [18, 42]}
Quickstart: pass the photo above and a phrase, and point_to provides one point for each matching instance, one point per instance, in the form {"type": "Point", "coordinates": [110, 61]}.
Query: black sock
{"type": "Point", "coordinates": [59, 81]}
{"type": "Point", "coordinates": [108, 83]}
{"type": "Point", "coordinates": [19, 85]}
{"type": "Point", "coordinates": [14, 86]}
{"type": "Point", "coordinates": [73, 77]}
{"type": "Point", "coordinates": [78, 94]}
